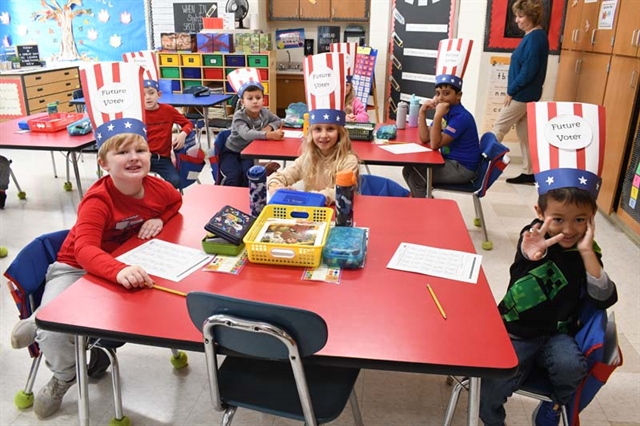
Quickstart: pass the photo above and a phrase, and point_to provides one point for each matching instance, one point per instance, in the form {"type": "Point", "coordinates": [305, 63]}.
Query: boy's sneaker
{"type": "Point", "coordinates": [545, 415]}
{"type": "Point", "coordinates": [23, 333]}
{"type": "Point", "coordinates": [49, 398]}
{"type": "Point", "coordinates": [98, 363]}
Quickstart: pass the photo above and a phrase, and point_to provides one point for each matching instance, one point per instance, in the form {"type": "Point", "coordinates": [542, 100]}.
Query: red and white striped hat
{"type": "Point", "coordinates": [114, 96]}
{"type": "Point", "coordinates": [324, 77]}
{"type": "Point", "coordinates": [566, 141]}
{"type": "Point", "coordinates": [453, 57]}
{"type": "Point", "coordinates": [147, 59]}
{"type": "Point", "coordinates": [242, 78]}
{"type": "Point", "coordinates": [350, 51]}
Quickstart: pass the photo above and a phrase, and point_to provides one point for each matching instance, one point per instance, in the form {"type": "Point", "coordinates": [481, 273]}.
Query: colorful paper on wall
{"type": "Point", "coordinates": [363, 73]}
{"type": "Point", "coordinates": [290, 39]}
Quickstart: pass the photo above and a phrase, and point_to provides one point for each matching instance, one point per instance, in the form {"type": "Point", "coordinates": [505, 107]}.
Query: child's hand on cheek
{"type": "Point", "coordinates": [134, 277]}
{"type": "Point", "coordinates": [586, 242]}
{"type": "Point", "coordinates": [150, 229]}
{"type": "Point", "coordinates": [534, 246]}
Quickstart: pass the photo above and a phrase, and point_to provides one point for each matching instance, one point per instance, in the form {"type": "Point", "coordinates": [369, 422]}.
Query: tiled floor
{"type": "Point", "coordinates": [155, 394]}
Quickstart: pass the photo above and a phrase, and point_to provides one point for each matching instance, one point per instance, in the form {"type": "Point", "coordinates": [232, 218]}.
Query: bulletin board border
{"type": "Point", "coordinates": [494, 39]}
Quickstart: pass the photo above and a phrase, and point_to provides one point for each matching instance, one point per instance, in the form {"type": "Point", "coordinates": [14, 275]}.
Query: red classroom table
{"type": "Point", "coordinates": [377, 318]}
{"type": "Point", "coordinates": [369, 153]}
{"type": "Point", "coordinates": [40, 141]}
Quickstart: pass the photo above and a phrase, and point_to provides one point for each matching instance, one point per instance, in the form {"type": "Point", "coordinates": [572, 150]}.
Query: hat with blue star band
{"type": "Point", "coordinates": [324, 83]}
{"type": "Point", "coordinates": [151, 83]}
{"type": "Point", "coordinates": [243, 78]}
{"type": "Point", "coordinates": [453, 57]}
{"type": "Point", "coordinates": [114, 96]}
{"type": "Point", "coordinates": [350, 51]}
{"type": "Point", "coordinates": [566, 143]}
{"type": "Point", "coordinates": [147, 59]}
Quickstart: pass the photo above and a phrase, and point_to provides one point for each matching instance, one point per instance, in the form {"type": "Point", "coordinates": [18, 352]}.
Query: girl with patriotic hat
{"type": "Point", "coordinates": [326, 148]}
{"type": "Point", "coordinates": [121, 205]}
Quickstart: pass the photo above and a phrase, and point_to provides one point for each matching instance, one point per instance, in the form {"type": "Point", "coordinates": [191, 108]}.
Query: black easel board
{"type": "Point", "coordinates": [187, 17]}
{"type": "Point", "coordinates": [28, 54]}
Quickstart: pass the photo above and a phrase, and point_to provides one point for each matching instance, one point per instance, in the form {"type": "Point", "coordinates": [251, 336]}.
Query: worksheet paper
{"type": "Point", "coordinates": [449, 264]}
{"type": "Point", "coordinates": [404, 148]}
{"type": "Point", "coordinates": [293, 133]}
{"type": "Point", "coordinates": [165, 260]}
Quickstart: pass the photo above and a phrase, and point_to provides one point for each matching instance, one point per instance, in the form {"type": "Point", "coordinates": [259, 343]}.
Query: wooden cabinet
{"type": "Point", "coordinates": [627, 39]}
{"type": "Point", "coordinates": [319, 10]}
{"type": "Point", "coordinates": [26, 92]}
{"type": "Point", "coordinates": [186, 70]}
{"type": "Point", "coordinates": [352, 10]}
{"type": "Point", "coordinates": [619, 98]}
{"type": "Point", "coordinates": [290, 90]}
{"type": "Point", "coordinates": [581, 27]}
{"type": "Point", "coordinates": [582, 77]}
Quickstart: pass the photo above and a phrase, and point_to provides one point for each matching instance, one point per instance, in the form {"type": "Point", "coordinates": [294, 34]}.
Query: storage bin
{"type": "Point", "coordinates": [213, 74]}
{"type": "Point", "coordinates": [212, 60]}
{"type": "Point", "coordinates": [264, 74]}
{"type": "Point", "coordinates": [170, 72]}
{"type": "Point", "coordinates": [169, 59]}
{"type": "Point", "coordinates": [235, 61]}
{"type": "Point", "coordinates": [220, 246]}
{"type": "Point", "coordinates": [53, 122]}
{"type": "Point", "coordinates": [287, 254]}
{"type": "Point", "coordinates": [191, 73]}
{"type": "Point", "coordinates": [258, 61]}
{"type": "Point", "coordinates": [191, 60]}
{"type": "Point", "coordinates": [191, 83]}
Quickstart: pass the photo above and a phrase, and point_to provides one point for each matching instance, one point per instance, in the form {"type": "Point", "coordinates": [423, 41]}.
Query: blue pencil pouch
{"type": "Point", "coordinates": [80, 127]}
{"type": "Point", "coordinates": [388, 131]}
{"type": "Point", "coordinates": [346, 247]}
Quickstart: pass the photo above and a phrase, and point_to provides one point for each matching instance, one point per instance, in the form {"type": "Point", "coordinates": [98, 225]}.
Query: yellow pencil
{"type": "Point", "coordinates": [435, 299]}
{"type": "Point", "coordinates": [168, 290]}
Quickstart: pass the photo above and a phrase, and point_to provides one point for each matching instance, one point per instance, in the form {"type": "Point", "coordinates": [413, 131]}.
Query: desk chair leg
{"type": "Point", "coordinates": [366, 166]}
{"type": "Point", "coordinates": [53, 162]}
{"type": "Point", "coordinates": [21, 194]}
{"type": "Point", "coordinates": [227, 417]}
{"type": "Point", "coordinates": [473, 406]}
{"type": "Point", "coordinates": [24, 398]}
{"type": "Point", "coordinates": [479, 221]}
{"type": "Point", "coordinates": [120, 419]}
{"type": "Point", "coordinates": [179, 359]}
{"type": "Point", "coordinates": [453, 401]}
{"type": "Point", "coordinates": [355, 408]}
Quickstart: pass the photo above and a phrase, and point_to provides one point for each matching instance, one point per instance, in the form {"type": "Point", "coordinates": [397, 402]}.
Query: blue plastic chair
{"type": "Point", "coordinates": [267, 336]}
{"type": "Point", "coordinates": [165, 86]}
{"type": "Point", "coordinates": [214, 156]}
{"type": "Point", "coordinates": [381, 186]}
{"type": "Point", "coordinates": [27, 278]}
{"type": "Point", "coordinates": [493, 161]}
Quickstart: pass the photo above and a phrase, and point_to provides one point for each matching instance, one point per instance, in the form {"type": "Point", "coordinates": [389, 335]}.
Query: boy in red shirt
{"type": "Point", "coordinates": [160, 119]}
{"type": "Point", "coordinates": [119, 206]}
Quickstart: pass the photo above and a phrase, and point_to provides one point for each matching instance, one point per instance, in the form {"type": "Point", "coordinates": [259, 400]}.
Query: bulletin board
{"type": "Point", "coordinates": [417, 26]}
{"type": "Point", "coordinates": [630, 202]}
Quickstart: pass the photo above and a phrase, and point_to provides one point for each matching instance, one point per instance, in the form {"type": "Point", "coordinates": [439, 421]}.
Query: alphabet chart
{"type": "Point", "coordinates": [165, 260]}
{"type": "Point", "coordinates": [449, 264]}
{"type": "Point", "coordinates": [363, 74]}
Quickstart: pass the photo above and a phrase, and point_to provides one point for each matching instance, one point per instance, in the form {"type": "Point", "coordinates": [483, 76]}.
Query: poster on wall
{"type": "Point", "coordinates": [12, 104]}
{"type": "Point", "coordinates": [607, 13]}
{"type": "Point", "coordinates": [327, 34]}
{"type": "Point", "coordinates": [70, 30]}
{"type": "Point", "coordinates": [187, 17]}
{"type": "Point", "coordinates": [496, 91]}
{"type": "Point", "coordinates": [503, 35]}
{"type": "Point", "coordinates": [290, 39]}
{"type": "Point", "coordinates": [631, 184]}
{"type": "Point", "coordinates": [416, 30]}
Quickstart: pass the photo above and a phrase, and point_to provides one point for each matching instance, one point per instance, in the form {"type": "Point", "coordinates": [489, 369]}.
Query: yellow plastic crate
{"type": "Point", "coordinates": [287, 254]}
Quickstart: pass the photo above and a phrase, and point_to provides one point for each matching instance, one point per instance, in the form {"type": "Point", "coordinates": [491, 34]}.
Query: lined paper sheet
{"type": "Point", "coordinates": [449, 264]}
{"type": "Point", "coordinates": [165, 260]}
{"type": "Point", "coordinates": [404, 148]}
{"type": "Point", "coordinates": [293, 133]}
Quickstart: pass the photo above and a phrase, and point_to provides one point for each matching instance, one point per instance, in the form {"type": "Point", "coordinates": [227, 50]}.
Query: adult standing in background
{"type": "Point", "coordinates": [526, 76]}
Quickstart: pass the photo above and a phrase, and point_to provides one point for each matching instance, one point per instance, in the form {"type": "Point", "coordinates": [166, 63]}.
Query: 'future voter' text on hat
{"type": "Point", "coordinates": [325, 89]}
{"type": "Point", "coordinates": [115, 99]}
{"type": "Point", "coordinates": [350, 51]}
{"type": "Point", "coordinates": [566, 141]}
{"type": "Point", "coordinates": [453, 57]}
{"type": "Point", "coordinates": [242, 78]}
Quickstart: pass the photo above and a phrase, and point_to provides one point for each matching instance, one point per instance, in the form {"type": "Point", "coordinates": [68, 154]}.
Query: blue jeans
{"type": "Point", "coordinates": [165, 168]}
{"type": "Point", "coordinates": [558, 355]}
{"type": "Point", "coordinates": [234, 168]}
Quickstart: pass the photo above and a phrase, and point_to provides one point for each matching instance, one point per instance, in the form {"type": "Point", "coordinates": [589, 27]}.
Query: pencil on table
{"type": "Point", "coordinates": [435, 299]}
{"type": "Point", "coordinates": [168, 290]}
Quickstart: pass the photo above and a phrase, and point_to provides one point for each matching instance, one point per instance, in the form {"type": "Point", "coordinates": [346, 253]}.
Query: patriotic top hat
{"type": "Point", "coordinates": [325, 89]}
{"type": "Point", "coordinates": [350, 50]}
{"type": "Point", "coordinates": [453, 57]}
{"type": "Point", "coordinates": [115, 99]}
{"type": "Point", "coordinates": [566, 141]}
{"type": "Point", "coordinates": [146, 59]}
{"type": "Point", "coordinates": [242, 78]}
